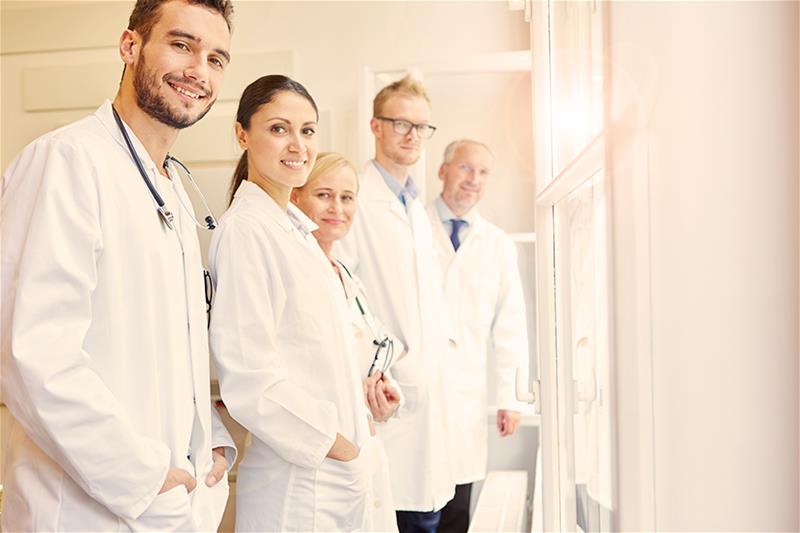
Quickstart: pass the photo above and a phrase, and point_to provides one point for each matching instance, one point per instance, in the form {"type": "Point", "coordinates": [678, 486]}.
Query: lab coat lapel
{"type": "Point", "coordinates": [375, 190]}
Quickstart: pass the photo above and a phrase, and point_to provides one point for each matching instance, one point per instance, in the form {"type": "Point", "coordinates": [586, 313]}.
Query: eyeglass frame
{"type": "Point", "coordinates": [411, 125]}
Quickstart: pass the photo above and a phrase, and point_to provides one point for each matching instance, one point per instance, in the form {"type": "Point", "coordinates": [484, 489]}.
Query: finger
{"type": "Point", "coordinates": [217, 470]}
{"type": "Point", "coordinates": [186, 479]}
{"type": "Point", "coordinates": [383, 404]}
{"type": "Point", "coordinates": [391, 393]}
{"type": "Point", "coordinates": [371, 400]}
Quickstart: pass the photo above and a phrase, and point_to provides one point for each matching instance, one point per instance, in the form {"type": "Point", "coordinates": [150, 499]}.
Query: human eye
{"type": "Point", "coordinates": [309, 131]}
{"type": "Point", "coordinates": [180, 45]}
{"type": "Point", "coordinates": [323, 194]}
{"type": "Point", "coordinates": [217, 62]}
{"type": "Point", "coordinates": [277, 128]}
{"type": "Point", "coordinates": [348, 197]}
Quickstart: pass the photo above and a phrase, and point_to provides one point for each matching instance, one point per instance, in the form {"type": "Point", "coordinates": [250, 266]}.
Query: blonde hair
{"type": "Point", "coordinates": [407, 86]}
{"type": "Point", "coordinates": [327, 161]}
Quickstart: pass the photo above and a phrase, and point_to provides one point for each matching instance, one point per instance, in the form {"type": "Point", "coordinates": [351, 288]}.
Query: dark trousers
{"type": "Point", "coordinates": [455, 515]}
{"type": "Point", "coordinates": [418, 522]}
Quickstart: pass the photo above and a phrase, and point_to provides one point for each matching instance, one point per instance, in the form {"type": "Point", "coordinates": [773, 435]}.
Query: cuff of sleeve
{"type": "Point", "coordinates": [230, 453]}
{"type": "Point", "coordinates": [137, 509]}
{"type": "Point", "coordinates": [320, 453]}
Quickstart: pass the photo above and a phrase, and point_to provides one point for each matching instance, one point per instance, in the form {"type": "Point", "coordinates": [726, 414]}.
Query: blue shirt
{"type": "Point", "coordinates": [447, 216]}
{"type": "Point", "coordinates": [405, 193]}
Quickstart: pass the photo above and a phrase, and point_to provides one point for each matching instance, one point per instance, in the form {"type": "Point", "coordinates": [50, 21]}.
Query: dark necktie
{"type": "Point", "coordinates": [457, 223]}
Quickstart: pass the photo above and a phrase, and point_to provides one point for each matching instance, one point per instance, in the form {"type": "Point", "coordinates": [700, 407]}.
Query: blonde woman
{"type": "Point", "coordinates": [329, 198]}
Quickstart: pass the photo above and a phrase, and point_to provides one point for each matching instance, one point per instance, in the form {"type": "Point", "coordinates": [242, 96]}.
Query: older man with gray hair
{"type": "Point", "coordinates": [484, 297]}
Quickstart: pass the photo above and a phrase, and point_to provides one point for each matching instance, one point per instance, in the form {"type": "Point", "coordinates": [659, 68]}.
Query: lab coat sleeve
{"type": "Point", "coordinates": [509, 336]}
{"type": "Point", "coordinates": [254, 382]}
{"type": "Point", "coordinates": [52, 202]}
{"type": "Point", "coordinates": [220, 438]}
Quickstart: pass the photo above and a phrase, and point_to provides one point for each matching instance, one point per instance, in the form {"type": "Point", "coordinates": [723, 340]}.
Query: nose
{"type": "Point", "coordinates": [413, 134]}
{"type": "Point", "coordinates": [335, 205]}
{"type": "Point", "coordinates": [296, 143]}
{"type": "Point", "coordinates": [197, 70]}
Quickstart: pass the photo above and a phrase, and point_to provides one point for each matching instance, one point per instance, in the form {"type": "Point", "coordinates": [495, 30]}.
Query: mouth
{"type": "Point", "coordinates": [186, 92]}
{"type": "Point", "coordinates": [333, 221]}
{"type": "Point", "coordinates": [294, 164]}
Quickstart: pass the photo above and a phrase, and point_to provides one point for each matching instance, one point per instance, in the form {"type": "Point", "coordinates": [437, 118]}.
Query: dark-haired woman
{"type": "Point", "coordinates": [278, 335]}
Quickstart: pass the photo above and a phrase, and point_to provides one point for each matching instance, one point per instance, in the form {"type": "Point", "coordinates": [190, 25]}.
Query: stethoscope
{"type": "Point", "coordinates": [384, 346]}
{"type": "Point", "coordinates": [163, 212]}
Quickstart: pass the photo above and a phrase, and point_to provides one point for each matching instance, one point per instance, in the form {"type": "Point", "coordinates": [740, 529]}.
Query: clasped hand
{"type": "Point", "coordinates": [382, 399]}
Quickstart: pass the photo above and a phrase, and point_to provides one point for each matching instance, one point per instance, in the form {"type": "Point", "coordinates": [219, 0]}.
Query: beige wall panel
{"type": "Point", "coordinates": [246, 68]}
{"type": "Point", "coordinates": [35, 26]}
{"type": "Point", "coordinates": [77, 86]}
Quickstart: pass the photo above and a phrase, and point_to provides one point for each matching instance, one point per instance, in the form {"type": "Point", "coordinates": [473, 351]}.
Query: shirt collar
{"type": "Point", "coordinates": [409, 188]}
{"type": "Point", "coordinates": [446, 215]}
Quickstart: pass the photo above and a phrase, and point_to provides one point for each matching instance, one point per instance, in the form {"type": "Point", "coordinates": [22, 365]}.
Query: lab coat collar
{"type": "Point", "coordinates": [288, 220]}
{"type": "Point", "coordinates": [373, 187]}
{"type": "Point", "coordinates": [300, 220]}
{"type": "Point", "coordinates": [106, 117]}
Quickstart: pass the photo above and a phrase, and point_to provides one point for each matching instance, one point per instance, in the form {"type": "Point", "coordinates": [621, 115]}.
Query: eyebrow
{"type": "Point", "coordinates": [194, 38]}
{"type": "Point", "coordinates": [289, 121]}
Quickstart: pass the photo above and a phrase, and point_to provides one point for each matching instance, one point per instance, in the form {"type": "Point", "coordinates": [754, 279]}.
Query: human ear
{"type": "Point", "coordinates": [129, 47]}
{"type": "Point", "coordinates": [241, 136]}
{"type": "Point", "coordinates": [373, 125]}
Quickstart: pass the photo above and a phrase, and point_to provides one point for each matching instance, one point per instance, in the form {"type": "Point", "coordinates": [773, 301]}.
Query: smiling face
{"type": "Point", "coordinates": [281, 141]}
{"type": "Point", "coordinates": [178, 71]}
{"type": "Point", "coordinates": [330, 201]}
{"type": "Point", "coordinates": [464, 177]}
{"type": "Point", "coordinates": [395, 148]}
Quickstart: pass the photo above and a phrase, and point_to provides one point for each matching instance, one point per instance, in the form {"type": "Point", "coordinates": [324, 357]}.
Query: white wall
{"type": "Point", "coordinates": [705, 171]}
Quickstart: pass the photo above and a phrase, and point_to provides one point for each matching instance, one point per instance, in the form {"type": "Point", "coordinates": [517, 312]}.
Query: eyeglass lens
{"type": "Point", "coordinates": [425, 131]}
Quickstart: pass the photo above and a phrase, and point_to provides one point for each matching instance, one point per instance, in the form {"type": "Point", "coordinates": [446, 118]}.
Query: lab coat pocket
{"type": "Point", "coordinates": [208, 503]}
{"type": "Point", "coordinates": [340, 494]}
{"type": "Point", "coordinates": [169, 511]}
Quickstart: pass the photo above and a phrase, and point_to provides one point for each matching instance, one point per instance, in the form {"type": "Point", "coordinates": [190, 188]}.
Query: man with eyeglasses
{"type": "Point", "coordinates": [485, 301]}
{"type": "Point", "coordinates": [390, 247]}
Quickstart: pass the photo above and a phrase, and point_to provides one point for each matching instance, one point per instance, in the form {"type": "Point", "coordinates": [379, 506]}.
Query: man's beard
{"type": "Point", "coordinates": [145, 84]}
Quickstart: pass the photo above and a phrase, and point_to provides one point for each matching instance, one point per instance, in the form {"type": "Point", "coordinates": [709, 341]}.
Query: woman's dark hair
{"type": "Point", "coordinates": [260, 92]}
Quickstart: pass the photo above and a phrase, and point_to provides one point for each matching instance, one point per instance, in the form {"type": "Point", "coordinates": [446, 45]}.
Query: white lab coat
{"type": "Point", "coordinates": [107, 385]}
{"type": "Point", "coordinates": [391, 251]}
{"type": "Point", "coordinates": [282, 344]}
{"type": "Point", "coordinates": [485, 299]}
{"type": "Point", "coordinates": [367, 328]}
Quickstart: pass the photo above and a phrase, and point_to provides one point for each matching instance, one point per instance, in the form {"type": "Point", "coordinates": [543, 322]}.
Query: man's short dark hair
{"type": "Point", "coordinates": [146, 13]}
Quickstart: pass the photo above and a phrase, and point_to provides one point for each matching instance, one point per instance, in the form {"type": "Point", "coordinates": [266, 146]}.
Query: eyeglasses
{"type": "Point", "coordinates": [425, 131]}
{"type": "Point", "coordinates": [384, 354]}
{"type": "Point", "coordinates": [209, 289]}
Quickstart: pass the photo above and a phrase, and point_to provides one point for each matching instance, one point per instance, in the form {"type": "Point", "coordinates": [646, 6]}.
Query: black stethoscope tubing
{"type": "Point", "coordinates": [163, 212]}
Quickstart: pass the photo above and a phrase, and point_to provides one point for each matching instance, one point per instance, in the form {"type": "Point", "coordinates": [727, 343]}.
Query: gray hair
{"type": "Point", "coordinates": [455, 145]}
